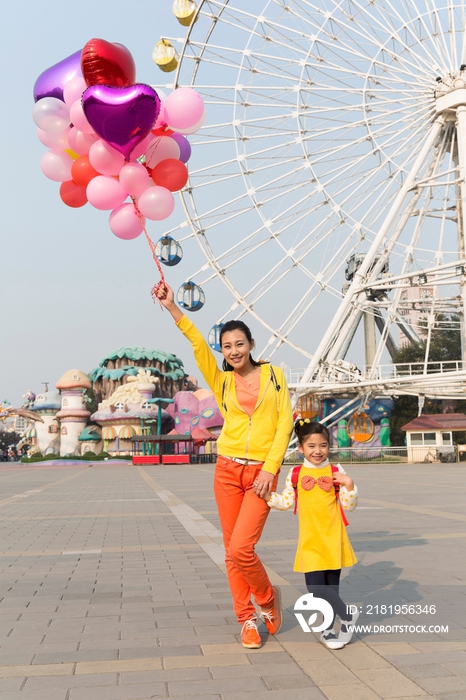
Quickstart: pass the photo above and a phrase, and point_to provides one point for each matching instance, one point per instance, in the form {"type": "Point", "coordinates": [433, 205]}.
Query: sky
{"type": "Point", "coordinates": [70, 291]}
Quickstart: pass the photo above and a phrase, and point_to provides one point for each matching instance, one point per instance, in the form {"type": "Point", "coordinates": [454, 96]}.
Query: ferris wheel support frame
{"type": "Point", "coordinates": [461, 134]}
{"type": "Point", "coordinates": [330, 341]}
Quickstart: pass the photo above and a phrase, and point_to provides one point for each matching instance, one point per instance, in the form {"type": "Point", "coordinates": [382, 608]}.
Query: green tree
{"type": "Point", "coordinates": [90, 399]}
{"type": "Point", "coordinates": [445, 346]}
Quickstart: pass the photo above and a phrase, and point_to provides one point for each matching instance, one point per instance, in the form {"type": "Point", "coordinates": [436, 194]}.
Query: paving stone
{"type": "Point", "coordinates": [427, 671]}
{"type": "Point", "coordinates": [445, 684]}
{"type": "Point", "coordinates": [139, 691]}
{"type": "Point", "coordinates": [49, 694]}
{"type": "Point", "coordinates": [146, 652]}
{"type": "Point", "coordinates": [256, 670]}
{"type": "Point", "coordinates": [223, 686]}
{"type": "Point", "coordinates": [164, 676]}
{"type": "Point", "coordinates": [9, 684]}
{"type": "Point", "coordinates": [75, 656]}
{"type": "Point", "coordinates": [429, 658]}
{"type": "Point", "coordinates": [458, 668]}
{"type": "Point", "coordinates": [329, 672]}
{"type": "Point", "coordinates": [389, 682]}
{"type": "Point", "coordinates": [349, 692]}
{"type": "Point", "coordinates": [204, 661]}
{"type": "Point", "coordinates": [298, 694]}
{"type": "Point", "coordinates": [102, 680]}
{"type": "Point", "coordinates": [151, 575]}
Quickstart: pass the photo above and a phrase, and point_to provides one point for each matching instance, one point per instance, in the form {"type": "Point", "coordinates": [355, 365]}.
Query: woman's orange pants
{"type": "Point", "coordinates": [242, 517]}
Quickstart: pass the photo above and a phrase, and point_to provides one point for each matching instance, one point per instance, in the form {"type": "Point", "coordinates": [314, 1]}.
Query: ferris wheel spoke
{"type": "Point", "coordinates": [368, 37]}
{"type": "Point", "coordinates": [408, 28]}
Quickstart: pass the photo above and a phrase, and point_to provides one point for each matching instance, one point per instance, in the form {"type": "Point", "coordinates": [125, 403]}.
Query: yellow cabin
{"type": "Point", "coordinates": [184, 11]}
{"type": "Point", "coordinates": [165, 56]}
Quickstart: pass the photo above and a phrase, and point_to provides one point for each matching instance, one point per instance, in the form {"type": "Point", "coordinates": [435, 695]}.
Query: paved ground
{"type": "Point", "coordinates": [112, 588]}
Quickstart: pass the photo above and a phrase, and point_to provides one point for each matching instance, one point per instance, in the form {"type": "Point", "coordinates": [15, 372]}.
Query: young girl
{"type": "Point", "coordinates": [255, 403]}
{"type": "Point", "coordinates": [323, 545]}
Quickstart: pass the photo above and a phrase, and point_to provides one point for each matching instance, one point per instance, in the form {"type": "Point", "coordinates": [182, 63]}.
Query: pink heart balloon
{"type": "Point", "coordinates": [121, 116]}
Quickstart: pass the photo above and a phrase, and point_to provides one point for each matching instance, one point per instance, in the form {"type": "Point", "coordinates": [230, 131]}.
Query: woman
{"type": "Point", "coordinates": [255, 403]}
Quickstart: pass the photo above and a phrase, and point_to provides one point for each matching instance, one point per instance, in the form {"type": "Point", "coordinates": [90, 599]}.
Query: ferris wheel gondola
{"type": "Point", "coordinates": [190, 297]}
{"type": "Point", "coordinates": [168, 251]}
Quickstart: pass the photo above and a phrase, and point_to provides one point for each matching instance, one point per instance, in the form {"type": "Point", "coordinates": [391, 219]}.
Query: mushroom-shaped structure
{"type": "Point", "coordinates": [129, 411]}
{"type": "Point", "coordinates": [89, 439]}
{"type": "Point", "coordinates": [121, 365]}
{"type": "Point", "coordinates": [47, 405]}
{"type": "Point", "coordinates": [73, 414]}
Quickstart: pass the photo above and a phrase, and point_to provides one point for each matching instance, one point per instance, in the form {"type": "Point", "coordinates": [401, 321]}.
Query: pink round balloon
{"type": "Point", "coordinates": [56, 165]}
{"type": "Point", "coordinates": [124, 222]}
{"type": "Point", "coordinates": [78, 118]}
{"type": "Point", "coordinates": [105, 159]}
{"type": "Point", "coordinates": [73, 90]}
{"type": "Point", "coordinates": [156, 203]}
{"type": "Point", "coordinates": [141, 148]}
{"type": "Point", "coordinates": [161, 148]}
{"type": "Point", "coordinates": [195, 127]}
{"type": "Point", "coordinates": [51, 114]}
{"type": "Point", "coordinates": [183, 108]}
{"type": "Point", "coordinates": [79, 142]}
{"type": "Point", "coordinates": [161, 119]}
{"type": "Point", "coordinates": [105, 192]}
{"type": "Point", "coordinates": [134, 179]}
{"type": "Point", "coordinates": [57, 140]}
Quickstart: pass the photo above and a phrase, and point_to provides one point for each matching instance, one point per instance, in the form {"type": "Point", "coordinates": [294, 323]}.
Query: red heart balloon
{"type": "Point", "coordinates": [104, 63]}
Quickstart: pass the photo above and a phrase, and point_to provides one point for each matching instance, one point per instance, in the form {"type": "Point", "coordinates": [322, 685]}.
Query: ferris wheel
{"type": "Point", "coordinates": [328, 193]}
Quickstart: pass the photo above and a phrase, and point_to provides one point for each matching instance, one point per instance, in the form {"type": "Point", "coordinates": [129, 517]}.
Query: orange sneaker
{"type": "Point", "coordinates": [250, 636]}
{"type": "Point", "coordinates": [273, 616]}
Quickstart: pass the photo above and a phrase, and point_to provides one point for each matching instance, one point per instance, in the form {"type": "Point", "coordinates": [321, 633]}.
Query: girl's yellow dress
{"type": "Point", "coordinates": [322, 541]}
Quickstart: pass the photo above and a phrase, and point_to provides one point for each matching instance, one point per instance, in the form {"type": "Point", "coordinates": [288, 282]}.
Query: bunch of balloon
{"type": "Point", "coordinates": [113, 142]}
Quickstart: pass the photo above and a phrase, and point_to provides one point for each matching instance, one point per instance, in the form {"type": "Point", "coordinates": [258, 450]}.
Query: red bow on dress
{"type": "Point", "coordinates": [324, 482]}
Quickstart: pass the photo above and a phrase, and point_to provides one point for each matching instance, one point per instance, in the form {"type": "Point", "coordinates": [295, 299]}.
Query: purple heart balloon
{"type": "Point", "coordinates": [51, 82]}
{"type": "Point", "coordinates": [121, 116]}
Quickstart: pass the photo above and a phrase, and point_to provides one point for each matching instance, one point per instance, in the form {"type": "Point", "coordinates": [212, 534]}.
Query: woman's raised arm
{"type": "Point", "coordinates": [203, 355]}
{"type": "Point", "coordinates": [167, 298]}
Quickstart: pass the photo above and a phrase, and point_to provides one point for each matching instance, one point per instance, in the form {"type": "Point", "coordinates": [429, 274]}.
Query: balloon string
{"type": "Point", "coordinates": [161, 284]}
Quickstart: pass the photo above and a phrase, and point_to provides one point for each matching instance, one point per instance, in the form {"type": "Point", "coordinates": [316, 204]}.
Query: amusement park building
{"type": "Point", "coordinates": [430, 437]}
{"type": "Point", "coordinates": [134, 388]}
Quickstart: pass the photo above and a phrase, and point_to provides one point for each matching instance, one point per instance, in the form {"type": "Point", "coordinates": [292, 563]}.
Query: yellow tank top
{"type": "Point", "coordinates": [322, 541]}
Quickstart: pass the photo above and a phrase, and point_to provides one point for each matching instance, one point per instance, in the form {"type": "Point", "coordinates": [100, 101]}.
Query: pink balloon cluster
{"type": "Point", "coordinates": [78, 127]}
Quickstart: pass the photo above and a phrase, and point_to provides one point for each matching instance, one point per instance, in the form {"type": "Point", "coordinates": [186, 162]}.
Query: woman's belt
{"type": "Point", "coordinates": [244, 462]}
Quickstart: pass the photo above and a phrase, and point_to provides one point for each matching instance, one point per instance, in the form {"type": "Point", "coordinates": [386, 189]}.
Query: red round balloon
{"type": "Point", "coordinates": [104, 63]}
{"type": "Point", "coordinates": [162, 131]}
{"type": "Point", "coordinates": [170, 173]}
{"type": "Point", "coordinates": [73, 195]}
{"type": "Point", "coordinates": [82, 171]}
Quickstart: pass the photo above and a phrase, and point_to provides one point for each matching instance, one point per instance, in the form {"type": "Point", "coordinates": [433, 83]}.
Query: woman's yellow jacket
{"type": "Point", "coordinates": [263, 437]}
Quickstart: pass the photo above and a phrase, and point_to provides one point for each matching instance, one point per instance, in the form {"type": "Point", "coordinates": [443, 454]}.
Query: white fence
{"type": "Point", "coordinates": [382, 455]}
{"type": "Point", "coordinates": [349, 372]}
